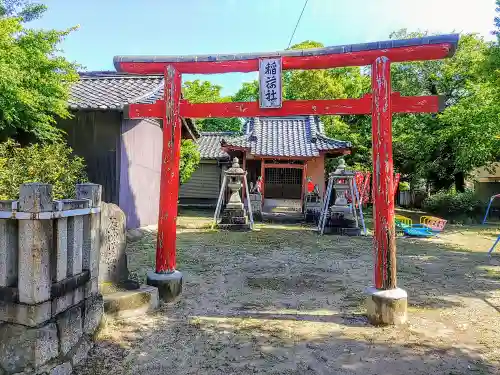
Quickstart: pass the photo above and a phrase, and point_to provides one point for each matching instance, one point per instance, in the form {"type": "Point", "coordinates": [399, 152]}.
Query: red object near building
{"type": "Point", "coordinates": [310, 187]}
{"type": "Point", "coordinates": [381, 104]}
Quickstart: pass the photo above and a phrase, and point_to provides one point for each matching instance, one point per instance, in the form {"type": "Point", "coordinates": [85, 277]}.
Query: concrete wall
{"type": "Point", "coordinates": [316, 170]}
{"type": "Point", "coordinates": [141, 147]}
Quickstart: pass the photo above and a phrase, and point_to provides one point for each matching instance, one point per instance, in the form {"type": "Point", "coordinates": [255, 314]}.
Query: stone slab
{"type": "Point", "coordinates": [69, 284]}
{"type": "Point", "coordinates": [60, 266]}
{"type": "Point", "coordinates": [69, 326]}
{"type": "Point", "coordinates": [386, 307]}
{"type": "Point", "coordinates": [8, 252]}
{"type": "Point", "coordinates": [75, 245]}
{"type": "Point", "coordinates": [28, 315]}
{"type": "Point", "coordinates": [92, 287]}
{"type": "Point", "coordinates": [34, 280]}
{"type": "Point", "coordinates": [92, 314]}
{"type": "Point", "coordinates": [22, 347]}
{"type": "Point", "coordinates": [93, 192]}
{"type": "Point", "coordinates": [35, 197]}
{"type": "Point", "coordinates": [80, 351]}
{"type": "Point", "coordinates": [70, 299]}
{"type": "Point", "coordinates": [122, 303]}
{"type": "Point", "coordinates": [113, 258]}
{"type": "Point", "coordinates": [234, 227]}
{"type": "Point", "coordinates": [169, 284]}
{"type": "Point", "coordinates": [63, 369]}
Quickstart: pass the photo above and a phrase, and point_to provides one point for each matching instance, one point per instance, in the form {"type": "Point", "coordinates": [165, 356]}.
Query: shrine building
{"type": "Point", "coordinates": [285, 151]}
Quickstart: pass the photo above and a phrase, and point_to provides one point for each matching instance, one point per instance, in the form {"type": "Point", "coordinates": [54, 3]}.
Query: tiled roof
{"type": "Point", "coordinates": [111, 90]}
{"type": "Point", "coordinates": [299, 136]}
{"type": "Point", "coordinates": [209, 145]}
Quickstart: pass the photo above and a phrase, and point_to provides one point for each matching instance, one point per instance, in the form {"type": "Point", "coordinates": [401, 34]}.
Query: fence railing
{"type": "Point", "coordinates": [49, 252]}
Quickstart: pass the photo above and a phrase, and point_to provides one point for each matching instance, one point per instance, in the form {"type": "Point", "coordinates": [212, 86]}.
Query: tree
{"type": "Point", "coordinates": [205, 92]}
{"type": "Point", "coordinates": [445, 148]}
{"type": "Point", "coordinates": [34, 80]}
{"type": "Point", "coordinates": [51, 163]}
{"type": "Point", "coordinates": [190, 158]}
{"type": "Point", "coordinates": [497, 20]}
{"type": "Point", "coordinates": [249, 92]}
{"type": "Point", "coordinates": [24, 9]}
{"type": "Point", "coordinates": [348, 82]}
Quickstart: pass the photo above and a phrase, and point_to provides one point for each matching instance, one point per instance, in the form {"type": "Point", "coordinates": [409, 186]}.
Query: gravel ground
{"type": "Point", "coordinates": [283, 300]}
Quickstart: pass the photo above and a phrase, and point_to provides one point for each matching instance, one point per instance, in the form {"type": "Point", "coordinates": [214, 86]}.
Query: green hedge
{"type": "Point", "coordinates": [51, 163]}
{"type": "Point", "coordinates": [455, 207]}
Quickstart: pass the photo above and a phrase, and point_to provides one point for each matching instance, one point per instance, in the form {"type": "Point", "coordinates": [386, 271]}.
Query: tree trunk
{"type": "Point", "coordinates": [459, 182]}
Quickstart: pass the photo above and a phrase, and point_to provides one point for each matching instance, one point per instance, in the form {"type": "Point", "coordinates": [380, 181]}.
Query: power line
{"type": "Point", "coordinates": [297, 25]}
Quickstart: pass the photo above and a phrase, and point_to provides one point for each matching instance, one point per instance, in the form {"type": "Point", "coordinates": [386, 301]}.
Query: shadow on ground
{"type": "Point", "coordinates": [283, 300]}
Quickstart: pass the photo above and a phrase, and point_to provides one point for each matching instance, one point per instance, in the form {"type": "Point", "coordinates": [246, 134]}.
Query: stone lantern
{"type": "Point", "coordinates": [234, 216]}
{"type": "Point", "coordinates": [235, 177]}
{"type": "Point", "coordinates": [342, 216]}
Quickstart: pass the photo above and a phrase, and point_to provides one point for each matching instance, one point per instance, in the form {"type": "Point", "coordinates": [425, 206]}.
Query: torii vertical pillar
{"type": "Point", "coordinates": [386, 303]}
{"type": "Point", "coordinates": [166, 278]}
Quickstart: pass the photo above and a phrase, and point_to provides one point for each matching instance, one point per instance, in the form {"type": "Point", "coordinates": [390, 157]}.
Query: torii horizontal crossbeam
{"type": "Point", "coordinates": [362, 106]}
{"type": "Point", "coordinates": [417, 49]}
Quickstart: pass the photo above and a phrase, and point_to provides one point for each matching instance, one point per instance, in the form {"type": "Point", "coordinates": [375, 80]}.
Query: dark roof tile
{"type": "Point", "coordinates": [299, 136]}
{"type": "Point", "coordinates": [111, 90]}
{"type": "Point", "coordinates": [209, 145]}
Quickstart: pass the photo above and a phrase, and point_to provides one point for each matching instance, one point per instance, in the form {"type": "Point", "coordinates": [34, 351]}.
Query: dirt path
{"type": "Point", "coordinates": [286, 301]}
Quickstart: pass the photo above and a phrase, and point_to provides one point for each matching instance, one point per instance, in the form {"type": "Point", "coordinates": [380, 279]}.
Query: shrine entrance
{"type": "Point", "coordinates": [283, 183]}
{"type": "Point", "coordinates": [380, 104]}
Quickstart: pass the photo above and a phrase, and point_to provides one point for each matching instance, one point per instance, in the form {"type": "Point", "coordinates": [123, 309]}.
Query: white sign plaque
{"type": "Point", "coordinates": [270, 83]}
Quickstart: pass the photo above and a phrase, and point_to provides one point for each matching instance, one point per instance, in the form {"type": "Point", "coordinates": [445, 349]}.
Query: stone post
{"type": "Point", "coordinates": [35, 241]}
{"type": "Point", "coordinates": [8, 248]}
{"type": "Point", "coordinates": [92, 235]}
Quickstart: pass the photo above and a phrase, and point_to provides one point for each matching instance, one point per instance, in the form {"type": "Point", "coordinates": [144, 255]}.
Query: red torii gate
{"type": "Point", "coordinates": [381, 104]}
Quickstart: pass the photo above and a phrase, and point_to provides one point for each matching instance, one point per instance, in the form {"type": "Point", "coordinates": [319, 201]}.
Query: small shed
{"type": "Point", "coordinates": [122, 155]}
{"type": "Point", "coordinates": [202, 189]}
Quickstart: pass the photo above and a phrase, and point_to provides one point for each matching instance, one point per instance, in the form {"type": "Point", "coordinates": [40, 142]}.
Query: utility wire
{"type": "Point", "coordinates": [297, 25]}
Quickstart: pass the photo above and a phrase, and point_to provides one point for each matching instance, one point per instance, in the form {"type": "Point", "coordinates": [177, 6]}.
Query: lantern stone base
{"type": "Point", "coordinates": [386, 307]}
{"type": "Point", "coordinates": [169, 284]}
{"type": "Point", "coordinates": [234, 219]}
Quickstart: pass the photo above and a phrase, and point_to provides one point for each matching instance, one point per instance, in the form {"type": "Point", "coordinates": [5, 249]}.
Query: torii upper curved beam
{"type": "Point", "coordinates": [416, 49]}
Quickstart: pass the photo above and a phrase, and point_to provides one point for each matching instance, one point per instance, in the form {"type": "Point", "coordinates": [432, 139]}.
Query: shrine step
{"type": "Point", "coordinates": [283, 217]}
{"type": "Point", "coordinates": [234, 227]}
{"type": "Point", "coordinates": [342, 231]}
{"type": "Point", "coordinates": [122, 303]}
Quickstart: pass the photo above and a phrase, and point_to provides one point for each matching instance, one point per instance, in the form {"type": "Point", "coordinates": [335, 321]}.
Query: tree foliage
{"type": "Point", "coordinates": [205, 92]}
{"type": "Point", "coordinates": [190, 158]}
{"type": "Point", "coordinates": [34, 80]}
{"type": "Point", "coordinates": [445, 148]}
{"type": "Point", "coordinates": [249, 92]}
{"type": "Point", "coordinates": [51, 163]}
{"type": "Point", "coordinates": [24, 9]}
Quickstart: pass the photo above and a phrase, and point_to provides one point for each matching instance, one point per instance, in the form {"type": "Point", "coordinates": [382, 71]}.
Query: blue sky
{"type": "Point", "coordinates": [171, 27]}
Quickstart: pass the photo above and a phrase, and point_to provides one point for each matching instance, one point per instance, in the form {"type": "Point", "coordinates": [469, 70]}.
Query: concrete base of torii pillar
{"type": "Point", "coordinates": [169, 284]}
{"type": "Point", "coordinates": [386, 307]}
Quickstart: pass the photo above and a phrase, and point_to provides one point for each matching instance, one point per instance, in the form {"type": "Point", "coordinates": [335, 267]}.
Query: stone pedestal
{"type": "Point", "coordinates": [312, 210]}
{"type": "Point", "coordinates": [256, 204]}
{"type": "Point", "coordinates": [386, 307]}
